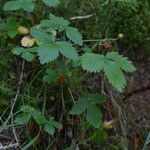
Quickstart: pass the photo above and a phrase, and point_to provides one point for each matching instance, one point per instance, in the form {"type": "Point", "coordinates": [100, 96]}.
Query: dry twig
{"type": "Point", "coordinates": [10, 116]}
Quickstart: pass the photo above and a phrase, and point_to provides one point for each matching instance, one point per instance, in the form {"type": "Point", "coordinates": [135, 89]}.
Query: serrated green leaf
{"type": "Point", "coordinates": [27, 5]}
{"type": "Point", "coordinates": [123, 62]}
{"type": "Point", "coordinates": [26, 53]}
{"type": "Point", "coordinates": [92, 62]}
{"type": "Point", "coordinates": [22, 118]}
{"type": "Point", "coordinates": [11, 27]}
{"type": "Point", "coordinates": [28, 56]}
{"type": "Point", "coordinates": [38, 117]}
{"type": "Point", "coordinates": [18, 51]}
{"type": "Point", "coordinates": [55, 23]}
{"type": "Point", "coordinates": [74, 35]}
{"type": "Point", "coordinates": [100, 136]}
{"type": "Point", "coordinates": [67, 50]}
{"type": "Point", "coordinates": [51, 2]}
{"type": "Point", "coordinates": [12, 5]}
{"type": "Point", "coordinates": [112, 65]}
{"type": "Point", "coordinates": [41, 35]}
{"type": "Point", "coordinates": [94, 116]}
{"type": "Point", "coordinates": [96, 98]}
{"type": "Point", "coordinates": [51, 76]}
{"type": "Point", "coordinates": [27, 109]}
{"type": "Point", "coordinates": [115, 75]}
{"type": "Point", "coordinates": [49, 128]}
{"type": "Point", "coordinates": [56, 124]}
{"type": "Point", "coordinates": [48, 52]}
{"type": "Point", "coordinates": [79, 107]}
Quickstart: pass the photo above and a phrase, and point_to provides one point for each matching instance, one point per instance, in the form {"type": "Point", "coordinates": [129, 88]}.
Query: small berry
{"type": "Point", "coordinates": [107, 45]}
{"type": "Point", "coordinates": [61, 80]}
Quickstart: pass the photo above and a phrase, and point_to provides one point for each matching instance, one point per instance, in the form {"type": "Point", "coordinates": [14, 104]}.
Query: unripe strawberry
{"type": "Point", "coordinates": [23, 30]}
{"type": "Point", "coordinates": [61, 80]}
{"type": "Point", "coordinates": [107, 45]}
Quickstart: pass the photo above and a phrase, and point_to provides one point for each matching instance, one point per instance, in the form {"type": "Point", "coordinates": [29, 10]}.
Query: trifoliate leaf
{"type": "Point", "coordinates": [123, 62]}
{"type": "Point", "coordinates": [74, 35]}
{"type": "Point", "coordinates": [92, 62]}
{"type": "Point", "coordinates": [67, 50]}
{"type": "Point", "coordinates": [51, 2]}
{"type": "Point", "coordinates": [48, 52]}
{"type": "Point", "coordinates": [112, 65]}
{"type": "Point", "coordinates": [55, 23]}
{"type": "Point", "coordinates": [79, 107]}
{"type": "Point", "coordinates": [94, 116]}
{"type": "Point", "coordinates": [41, 35]}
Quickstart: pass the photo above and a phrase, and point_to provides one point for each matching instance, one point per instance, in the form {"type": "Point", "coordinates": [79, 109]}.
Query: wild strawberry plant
{"type": "Point", "coordinates": [55, 39]}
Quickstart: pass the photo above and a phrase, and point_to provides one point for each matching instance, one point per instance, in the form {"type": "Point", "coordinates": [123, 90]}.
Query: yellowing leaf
{"type": "Point", "coordinates": [26, 41]}
{"type": "Point", "coordinates": [109, 124]}
{"type": "Point", "coordinates": [23, 30]}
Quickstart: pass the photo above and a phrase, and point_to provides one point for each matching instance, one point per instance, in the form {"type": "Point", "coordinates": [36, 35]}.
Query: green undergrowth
{"type": "Point", "coordinates": [57, 57]}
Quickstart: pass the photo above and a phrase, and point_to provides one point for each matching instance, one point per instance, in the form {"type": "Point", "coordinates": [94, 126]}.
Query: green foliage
{"type": "Point", "coordinates": [74, 35]}
{"type": "Point", "coordinates": [41, 35]}
{"type": "Point", "coordinates": [131, 19]}
{"type": "Point", "coordinates": [11, 27]}
{"type": "Point", "coordinates": [67, 50]}
{"type": "Point", "coordinates": [88, 106]}
{"type": "Point", "coordinates": [50, 51]}
{"type": "Point", "coordinates": [51, 2]}
{"type": "Point", "coordinates": [60, 24]}
{"type": "Point", "coordinates": [27, 5]}
{"type": "Point", "coordinates": [112, 65]}
{"type": "Point", "coordinates": [99, 136]}
{"type": "Point", "coordinates": [55, 39]}
{"type": "Point", "coordinates": [51, 76]}
{"type": "Point", "coordinates": [94, 115]}
{"type": "Point", "coordinates": [55, 23]}
{"type": "Point", "coordinates": [27, 112]}
{"type": "Point", "coordinates": [26, 53]}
